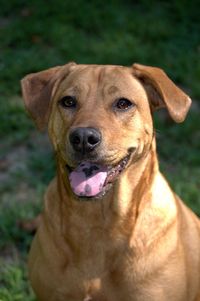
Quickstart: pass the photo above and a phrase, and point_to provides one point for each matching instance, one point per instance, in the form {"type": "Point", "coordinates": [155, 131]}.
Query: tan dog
{"type": "Point", "coordinates": [112, 229]}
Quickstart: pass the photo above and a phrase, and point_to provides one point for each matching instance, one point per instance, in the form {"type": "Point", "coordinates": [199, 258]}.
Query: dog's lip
{"type": "Point", "coordinates": [117, 167]}
{"type": "Point", "coordinates": [114, 172]}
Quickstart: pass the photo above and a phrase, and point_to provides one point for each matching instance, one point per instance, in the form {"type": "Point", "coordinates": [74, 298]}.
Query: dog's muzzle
{"type": "Point", "coordinates": [90, 179]}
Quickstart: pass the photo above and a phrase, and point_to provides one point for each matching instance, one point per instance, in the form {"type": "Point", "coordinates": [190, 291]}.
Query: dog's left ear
{"type": "Point", "coordinates": [38, 90]}
{"type": "Point", "coordinates": [163, 92]}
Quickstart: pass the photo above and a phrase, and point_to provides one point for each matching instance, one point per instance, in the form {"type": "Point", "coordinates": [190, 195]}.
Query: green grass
{"type": "Point", "coordinates": [14, 245]}
{"type": "Point", "coordinates": [13, 283]}
{"type": "Point", "coordinates": [36, 35]}
{"type": "Point", "coordinates": [178, 148]}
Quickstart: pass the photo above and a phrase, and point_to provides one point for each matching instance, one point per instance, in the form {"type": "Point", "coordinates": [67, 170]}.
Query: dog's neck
{"type": "Point", "coordinates": [133, 185]}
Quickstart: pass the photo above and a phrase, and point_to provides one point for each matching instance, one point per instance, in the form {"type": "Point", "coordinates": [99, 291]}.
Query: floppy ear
{"type": "Point", "coordinates": [37, 91]}
{"type": "Point", "coordinates": [163, 92]}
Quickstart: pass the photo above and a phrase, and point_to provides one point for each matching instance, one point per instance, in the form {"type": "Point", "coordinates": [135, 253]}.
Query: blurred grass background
{"type": "Point", "coordinates": [36, 35]}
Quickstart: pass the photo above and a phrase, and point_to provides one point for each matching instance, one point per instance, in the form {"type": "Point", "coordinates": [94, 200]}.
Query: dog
{"type": "Point", "coordinates": [111, 229]}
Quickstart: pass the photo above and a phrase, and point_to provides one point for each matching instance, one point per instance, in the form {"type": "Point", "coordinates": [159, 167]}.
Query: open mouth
{"type": "Point", "coordinates": [90, 180]}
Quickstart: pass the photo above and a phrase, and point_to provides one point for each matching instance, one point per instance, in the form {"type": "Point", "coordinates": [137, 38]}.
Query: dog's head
{"type": "Point", "coordinates": [100, 117]}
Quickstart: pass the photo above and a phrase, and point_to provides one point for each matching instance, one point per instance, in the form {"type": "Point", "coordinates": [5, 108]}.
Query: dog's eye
{"type": "Point", "coordinates": [123, 104]}
{"type": "Point", "coordinates": [68, 102]}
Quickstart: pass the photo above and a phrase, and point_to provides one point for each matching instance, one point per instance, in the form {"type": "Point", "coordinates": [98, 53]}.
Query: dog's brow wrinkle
{"type": "Point", "coordinates": [112, 89]}
{"type": "Point", "coordinates": [99, 72]}
{"type": "Point", "coordinates": [89, 88]}
{"type": "Point", "coordinates": [75, 89]}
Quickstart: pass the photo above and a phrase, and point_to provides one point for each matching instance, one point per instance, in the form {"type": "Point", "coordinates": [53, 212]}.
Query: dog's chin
{"type": "Point", "coordinates": [113, 174]}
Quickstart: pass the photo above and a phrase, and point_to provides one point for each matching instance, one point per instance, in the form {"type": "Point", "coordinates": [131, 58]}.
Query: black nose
{"type": "Point", "coordinates": [84, 139]}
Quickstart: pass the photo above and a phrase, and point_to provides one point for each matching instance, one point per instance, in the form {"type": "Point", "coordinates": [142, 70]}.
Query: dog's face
{"type": "Point", "coordinates": [99, 119]}
{"type": "Point", "coordinates": [100, 114]}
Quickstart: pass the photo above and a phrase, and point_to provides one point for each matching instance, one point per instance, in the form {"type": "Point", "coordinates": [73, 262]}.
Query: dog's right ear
{"type": "Point", "coordinates": [163, 92]}
{"type": "Point", "coordinates": [38, 90]}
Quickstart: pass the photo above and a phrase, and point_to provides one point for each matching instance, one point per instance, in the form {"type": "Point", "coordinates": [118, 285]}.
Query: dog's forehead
{"type": "Point", "coordinates": [112, 76]}
{"type": "Point", "coordinates": [99, 71]}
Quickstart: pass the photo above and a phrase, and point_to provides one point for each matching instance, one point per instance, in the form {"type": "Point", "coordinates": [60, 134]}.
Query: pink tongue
{"type": "Point", "coordinates": [88, 179]}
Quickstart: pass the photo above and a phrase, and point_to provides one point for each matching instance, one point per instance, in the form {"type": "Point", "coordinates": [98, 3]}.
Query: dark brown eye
{"type": "Point", "coordinates": [123, 104]}
{"type": "Point", "coordinates": [68, 102]}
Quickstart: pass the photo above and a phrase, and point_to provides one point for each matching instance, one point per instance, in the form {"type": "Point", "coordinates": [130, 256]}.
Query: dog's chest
{"type": "Point", "coordinates": [87, 287]}
{"type": "Point", "coordinates": [99, 278]}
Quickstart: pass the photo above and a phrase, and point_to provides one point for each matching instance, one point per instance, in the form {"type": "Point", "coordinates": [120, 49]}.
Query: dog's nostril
{"type": "Point", "coordinates": [93, 140]}
{"type": "Point", "coordinates": [76, 140]}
